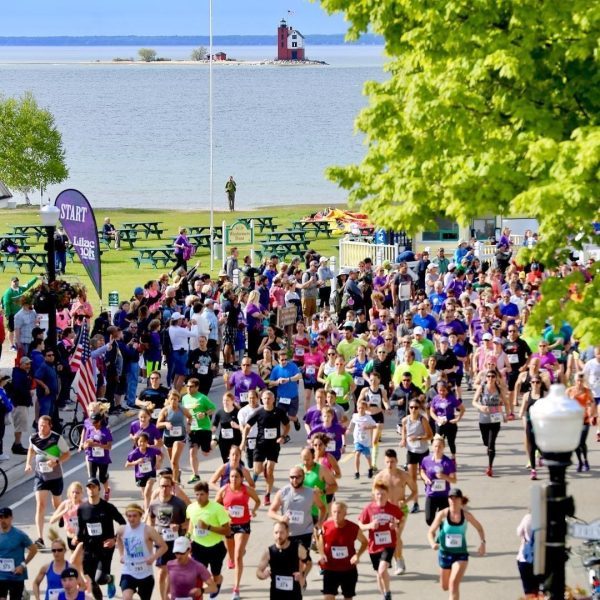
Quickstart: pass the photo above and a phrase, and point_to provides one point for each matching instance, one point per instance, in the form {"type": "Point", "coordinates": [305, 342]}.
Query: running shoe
{"type": "Point", "coordinates": [236, 594]}
{"type": "Point", "coordinates": [357, 475]}
{"type": "Point", "coordinates": [215, 594]}
{"type": "Point", "coordinates": [111, 589]}
{"type": "Point", "coordinates": [586, 466]}
{"type": "Point", "coordinates": [194, 479]}
{"type": "Point", "coordinates": [40, 544]}
{"type": "Point", "coordinates": [580, 467]}
{"type": "Point", "coordinates": [533, 475]}
{"type": "Point", "coordinates": [107, 494]}
{"type": "Point", "coordinates": [511, 416]}
{"type": "Point", "coordinates": [415, 508]}
{"type": "Point", "coordinates": [297, 425]}
{"type": "Point", "coordinates": [400, 567]}
{"type": "Point", "coordinates": [267, 501]}
{"type": "Point", "coordinates": [489, 472]}
{"type": "Point", "coordinates": [4, 457]}
{"type": "Point", "coordinates": [370, 473]}
{"type": "Point", "coordinates": [286, 439]}
{"type": "Point", "coordinates": [230, 564]}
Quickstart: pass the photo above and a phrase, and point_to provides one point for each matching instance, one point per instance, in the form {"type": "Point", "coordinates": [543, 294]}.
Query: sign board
{"type": "Point", "coordinates": [585, 531]}
{"type": "Point", "coordinates": [239, 234]}
{"type": "Point", "coordinates": [113, 298]}
{"type": "Point", "coordinates": [287, 316]}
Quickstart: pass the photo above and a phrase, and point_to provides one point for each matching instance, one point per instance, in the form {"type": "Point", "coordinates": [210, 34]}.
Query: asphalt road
{"type": "Point", "coordinates": [499, 503]}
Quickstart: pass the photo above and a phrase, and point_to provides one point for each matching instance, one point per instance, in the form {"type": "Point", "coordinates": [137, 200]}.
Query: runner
{"type": "Point", "coordinates": [356, 366]}
{"type": "Point", "coordinates": [376, 396]}
{"type": "Point", "coordinates": [317, 477]}
{"type": "Point", "coordinates": [226, 428]}
{"type": "Point", "coordinates": [145, 460]}
{"type": "Point", "coordinates": [584, 397]}
{"type": "Point", "coordinates": [362, 425]}
{"type": "Point", "coordinates": [135, 542]}
{"type": "Point", "coordinates": [97, 440]}
{"type": "Point", "coordinates": [320, 442]}
{"type": "Point", "coordinates": [51, 572]}
{"type": "Point", "coordinates": [310, 368]}
{"type": "Point", "coordinates": [67, 510]}
{"type": "Point", "coordinates": [70, 583]}
{"type": "Point", "coordinates": [448, 535]}
{"type": "Point", "coordinates": [220, 477]}
{"type": "Point", "coordinates": [341, 383]}
{"type": "Point", "coordinates": [285, 377]}
{"type": "Point", "coordinates": [332, 429]}
{"type": "Point", "coordinates": [145, 425]}
{"type": "Point", "coordinates": [242, 381]}
{"type": "Point", "coordinates": [381, 519]}
{"type": "Point", "coordinates": [443, 410]}
{"type": "Point", "coordinates": [187, 577]}
{"type": "Point", "coordinates": [243, 416]}
{"type": "Point", "coordinates": [339, 556]}
{"type": "Point", "coordinates": [273, 427]}
{"type": "Point", "coordinates": [201, 409]}
{"type": "Point", "coordinates": [153, 397]}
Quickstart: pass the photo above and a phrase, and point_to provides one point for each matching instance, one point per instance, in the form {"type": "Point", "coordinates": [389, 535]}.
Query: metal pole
{"type": "Point", "coordinates": [210, 133]}
{"type": "Point", "coordinates": [51, 338]}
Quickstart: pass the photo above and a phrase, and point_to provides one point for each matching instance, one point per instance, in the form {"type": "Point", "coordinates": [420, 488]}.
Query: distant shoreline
{"type": "Point", "coordinates": [178, 62]}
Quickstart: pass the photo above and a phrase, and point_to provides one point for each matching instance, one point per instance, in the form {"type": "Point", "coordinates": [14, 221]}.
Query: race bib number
{"type": "Point", "coordinates": [145, 467]}
{"type": "Point", "coordinates": [496, 417]}
{"type": "Point", "coordinates": [251, 443]}
{"type": "Point", "coordinates": [442, 420]}
{"type": "Point", "coordinates": [53, 594]}
{"type": "Point", "coordinates": [359, 380]}
{"type": "Point", "coordinates": [330, 446]}
{"type": "Point", "coordinates": [383, 538]}
{"type": "Point", "coordinates": [513, 359]}
{"type": "Point", "coordinates": [7, 565]}
{"type": "Point", "coordinates": [227, 434]}
{"type": "Point", "coordinates": [438, 485]}
{"type": "Point", "coordinates": [203, 370]}
{"type": "Point", "coordinates": [168, 535]}
{"type": "Point", "coordinates": [296, 517]}
{"type": "Point", "coordinates": [200, 532]}
{"type": "Point", "coordinates": [284, 583]}
{"type": "Point", "coordinates": [243, 397]}
{"type": "Point", "coordinates": [73, 523]}
{"type": "Point", "coordinates": [44, 467]}
{"type": "Point", "coordinates": [97, 452]}
{"type": "Point", "coordinates": [236, 511]}
{"type": "Point", "coordinates": [176, 431]}
{"type": "Point", "coordinates": [339, 392]}
{"type": "Point", "coordinates": [156, 413]}
{"type": "Point", "coordinates": [453, 540]}
{"type": "Point", "coordinates": [94, 529]}
{"type": "Point", "coordinates": [311, 370]}
{"type": "Point", "coordinates": [270, 433]}
{"type": "Point", "coordinates": [299, 351]}
{"type": "Point", "coordinates": [339, 552]}
{"type": "Point", "coordinates": [285, 401]}
{"type": "Point", "coordinates": [138, 568]}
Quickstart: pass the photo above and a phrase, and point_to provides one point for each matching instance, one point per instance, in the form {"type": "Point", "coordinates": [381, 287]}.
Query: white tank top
{"type": "Point", "coordinates": [136, 552]}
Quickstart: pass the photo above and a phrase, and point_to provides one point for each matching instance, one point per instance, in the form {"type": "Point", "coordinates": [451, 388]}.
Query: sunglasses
{"type": "Point", "coordinates": [413, 407]}
{"type": "Point", "coordinates": [331, 354]}
{"type": "Point", "coordinates": [55, 550]}
{"type": "Point", "coordinates": [295, 476]}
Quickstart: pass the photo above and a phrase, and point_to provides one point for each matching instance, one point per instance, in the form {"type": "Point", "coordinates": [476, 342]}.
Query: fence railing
{"type": "Point", "coordinates": [351, 253]}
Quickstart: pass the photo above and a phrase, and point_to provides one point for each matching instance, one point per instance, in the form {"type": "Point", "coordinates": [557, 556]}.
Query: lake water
{"type": "Point", "coordinates": [137, 135]}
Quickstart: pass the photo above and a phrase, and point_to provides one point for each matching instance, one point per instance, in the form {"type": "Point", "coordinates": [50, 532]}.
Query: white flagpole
{"type": "Point", "coordinates": [210, 133]}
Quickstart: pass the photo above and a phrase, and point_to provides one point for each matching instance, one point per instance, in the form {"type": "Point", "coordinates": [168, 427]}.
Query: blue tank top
{"type": "Point", "coordinates": [80, 596]}
{"type": "Point", "coordinates": [227, 471]}
{"type": "Point", "coordinates": [53, 583]}
{"type": "Point", "coordinates": [177, 419]}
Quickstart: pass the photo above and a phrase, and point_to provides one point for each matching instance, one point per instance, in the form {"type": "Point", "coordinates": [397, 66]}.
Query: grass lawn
{"type": "Point", "coordinates": [119, 271]}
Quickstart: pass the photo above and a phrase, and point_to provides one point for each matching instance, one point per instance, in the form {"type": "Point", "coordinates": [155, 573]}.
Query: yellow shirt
{"type": "Point", "coordinates": [213, 514]}
{"type": "Point", "coordinates": [418, 371]}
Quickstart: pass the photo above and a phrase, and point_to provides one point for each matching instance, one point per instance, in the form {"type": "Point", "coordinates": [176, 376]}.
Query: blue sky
{"type": "Point", "coordinates": [161, 17]}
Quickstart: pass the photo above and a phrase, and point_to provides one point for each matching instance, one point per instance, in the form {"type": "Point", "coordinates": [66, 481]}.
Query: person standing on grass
{"type": "Point", "coordinates": [230, 189]}
{"type": "Point", "coordinates": [11, 302]}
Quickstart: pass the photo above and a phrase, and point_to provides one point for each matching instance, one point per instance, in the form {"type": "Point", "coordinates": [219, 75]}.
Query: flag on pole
{"type": "Point", "coordinates": [290, 12]}
{"type": "Point", "coordinates": [81, 363]}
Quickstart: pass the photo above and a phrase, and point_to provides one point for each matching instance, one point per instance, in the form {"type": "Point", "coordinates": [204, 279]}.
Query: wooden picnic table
{"type": "Point", "coordinates": [205, 229]}
{"type": "Point", "coordinates": [283, 248]}
{"type": "Point", "coordinates": [316, 226]}
{"type": "Point", "coordinates": [148, 228]}
{"type": "Point", "coordinates": [286, 234]}
{"type": "Point", "coordinates": [126, 235]}
{"type": "Point", "coordinates": [261, 222]}
{"type": "Point", "coordinates": [24, 259]}
{"type": "Point", "coordinates": [38, 230]}
{"type": "Point", "coordinates": [164, 255]}
{"type": "Point", "coordinates": [20, 240]}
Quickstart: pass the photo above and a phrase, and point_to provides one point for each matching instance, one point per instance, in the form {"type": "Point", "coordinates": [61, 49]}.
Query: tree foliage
{"type": "Point", "coordinates": [490, 107]}
{"type": "Point", "coordinates": [199, 53]}
{"type": "Point", "coordinates": [147, 54]}
{"type": "Point", "coordinates": [31, 151]}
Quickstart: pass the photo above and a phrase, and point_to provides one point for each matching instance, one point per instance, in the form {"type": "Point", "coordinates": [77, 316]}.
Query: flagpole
{"type": "Point", "coordinates": [210, 134]}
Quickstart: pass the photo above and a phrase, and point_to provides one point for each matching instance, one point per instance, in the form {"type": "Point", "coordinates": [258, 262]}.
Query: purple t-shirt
{"type": "Point", "coordinates": [335, 432]}
{"type": "Point", "coordinates": [445, 407]}
{"type": "Point", "coordinates": [148, 467]}
{"type": "Point", "coordinates": [102, 435]}
{"type": "Point", "coordinates": [154, 433]}
{"type": "Point", "coordinates": [313, 418]}
{"type": "Point", "coordinates": [183, 578]}
{"type": "Point", "coordinates": [454, 326]}
{"type": "Point", "coordinates": [242, 384]}
{"type": "Point", "coordinates": [432, 468]}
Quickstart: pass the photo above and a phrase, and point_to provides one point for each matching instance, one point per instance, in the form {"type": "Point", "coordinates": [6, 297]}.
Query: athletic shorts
{"type": "Point", "coordinates": [179, 362]}
{"type": "Point", "coordinates": [142, 481]}
{"type": "Point", "coordinates": [210, 556]}
{"type": "Point", "coordinates": [264, 452]}
{"type": "Point", "coordinates": [169, 441]}
{"type": "Point", "coordinates": [304, 540]}
{"type": "Point", "coordinates": [201, 438]}
{"type": "Point", "coordinates": [99, 470]}
{"type": "Point", "coordinates": [334, 580]}
{"type": "Point", "coordinates": [362, 449]}
{"type": "Point", "coordinates": [378, 417]}
{"type": "Point", "coordinates": [143, 586]}
{"type": "Point", "coordinates": [290, 409]}
{"type": "Point", "coordinates": [386, 555]}
{"type": "Point", "coordinates": [415, 458]}
{"type": "Point", "coordinates": [447, 559]}
{"type": "Point", "coordinates": [12, 588]}
{"type": "Point", "coordinates": [54, 486]}
{"type": "Point", "coordinates": [11, 323]}
{"type": "Point", "coordinates": [239, 528]}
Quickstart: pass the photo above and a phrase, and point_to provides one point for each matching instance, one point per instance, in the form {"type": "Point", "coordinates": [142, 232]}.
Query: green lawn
{"type": "Point", "coordinates": [118, 270]}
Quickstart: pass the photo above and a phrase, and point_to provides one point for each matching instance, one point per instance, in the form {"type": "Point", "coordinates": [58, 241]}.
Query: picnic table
{"type": "Point", "coordinates": [154, 256]}
{"type": "Point", "coordinates": [148, 228]}
{"type": "Point", "coordinates": [286, 234]}
{"type": "Point", "coordinates": [316, 226]}
{"type": "Point", "coordinates": [38, 230]}
{"type": "Point", "coordinates": [127, 235]}
{"type": "Point", "coordinates": [205, 229]}
{"type": "Point", "coordinates": [24, 259]}
{"type": "Point", "coordinates": [261, 222]}
{"type": "Point", "coordinates": [201, 240]}
{"type": "Point", "coordinates": [283, 248]}
{"type": "Point", "coordinates": [20, 240]}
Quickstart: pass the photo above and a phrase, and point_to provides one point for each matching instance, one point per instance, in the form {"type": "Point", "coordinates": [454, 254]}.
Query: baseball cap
{"type": "Point", "coordinates": [353, 270]}
{"type": "Point", "coordinates": [138, 291]}
{"type": "Point", "coordinates": [6, 511]}
{"type": "Point", "coordinates": [323, 259]}
{"type": "Point", "coordinates": [208, 301]}
{"type": "Point", "coordinates": [486, 336]}
{"type": "Point", "coordinates": [455, 492]}
{"type": "Point", "coordinates": [24, 361]}
{"type": "Point", "coordinates": [181, 544]}
{"type": "Point", "coordinates": [349, 325]}
{"type": "Point", "coordinates": [451, 266]}
{"type": "Point", "coordinates": [69, 572]}
{"type": "Point", "coordinates": [431, 266]}
{"type": "Point", "coordinates": [176, 316]}
{"type": "Point", "coordinates": [93, 481]}
{"type": "Point", "coordinates": [418, 330]}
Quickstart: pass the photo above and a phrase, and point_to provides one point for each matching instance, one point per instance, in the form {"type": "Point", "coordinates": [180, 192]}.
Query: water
{"type": "Point", "coordinates": [137, 135]}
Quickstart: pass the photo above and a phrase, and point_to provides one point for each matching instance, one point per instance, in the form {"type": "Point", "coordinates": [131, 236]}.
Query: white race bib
{"type": "Point", "coordinates": [53, 594]}
{"type": "Point", "coordinates": [203, 370]}
{"type": "Point", "coordinates": [156, 413]}
{"type": "Point", "coordinates": [442, 420]}
{"type": "Point", "coordinates": [270, 433]}
{"type": "Point", "coordinates": [359, 380]}
{"type": "Point", "coordinates": [496, 417]}
{"type": "Point", "coordinates": [557, 353]}
{"type": "Point", "coordinates": [200, 532]}
{"type": "Point", "coordinates": [168, 535]}
{"type": "Point", "coordinates": [73, 523]}
{"type": "Point", "coordinates": [44, 467]}
{"type": "Point", "coordinates": [227, 434]}
{"type": "Point", "coordinates": [330, 446]}
{"type": "Point", "coordinates": [339, 392]}
{"type": "Point", "coordinates": [383, 538]}
{"type": "Point", "coordinates": [339, 552]}
{"type": "Point", "coordinates": [284, 583]}
{"type": "Point", "coordinates": [94, 529]}
{"type": "Point", "coordinates": [236, 511]}
{"type": "Point", "coordinates": [296, 517]}
{"type": "Point", "coordinates": [299, 351]}
{"type": "Point", "coordinates": [438, 485]}
{"type": "Point", "coordinates": [176, 431]}
{"type": "Point", "coordinates": [243, 397]}
{"type": "Point", "coordinates": [97, 452]}
{"type": "Point", "coordinates": [145, 467]}
{"type": "Point", "coordinates": [7, 565]}
{"type": "Point", "coordinates": [310, 370]}
{"type": "Point", "coordinates": [453, 540]}
{"type": "Point", "coordinates": [513, 359]}
{"type": "Point", "coordinates": [138, 568]}
{"type": "Point", "coordinates": [251, 443]}
{"type": "Point", "coordinates": [285, 400]}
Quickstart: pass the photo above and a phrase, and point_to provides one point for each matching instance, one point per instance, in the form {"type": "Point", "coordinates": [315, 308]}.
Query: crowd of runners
{"type": "Point", "coordinates": [392, 353]}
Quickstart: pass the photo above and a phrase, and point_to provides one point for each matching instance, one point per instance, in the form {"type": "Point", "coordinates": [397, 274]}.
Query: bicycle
{"type": "Point", "coordinates": [589, 553]}
{"type": "Point", "coordinates": [3, 481]}
{"type": "Point", "coordinates": [73, 430]}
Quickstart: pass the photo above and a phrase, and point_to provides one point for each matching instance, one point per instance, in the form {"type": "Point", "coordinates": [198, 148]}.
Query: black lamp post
{"type": "Point", "coordinates": [557, 422]}
{"type": "Point", "coordinates": [49, 216]}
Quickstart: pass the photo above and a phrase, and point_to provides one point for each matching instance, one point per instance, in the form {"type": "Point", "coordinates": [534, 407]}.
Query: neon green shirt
{"type": "Point", "coordinates": [213, 514]}
{"type": "Point", "coordinates": [348, 349]}
{"type": "Point", "coordinates": [340, 384]}
{"type": "Point", "coordinates": [199, 403]}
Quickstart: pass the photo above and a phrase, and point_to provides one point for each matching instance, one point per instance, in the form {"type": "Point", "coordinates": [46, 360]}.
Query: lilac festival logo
{"type": "Point", "coordinates": [77, 217]}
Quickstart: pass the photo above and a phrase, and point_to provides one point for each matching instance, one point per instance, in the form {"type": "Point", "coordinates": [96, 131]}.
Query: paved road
{"type": "Point", "coordinates": [499, 503]}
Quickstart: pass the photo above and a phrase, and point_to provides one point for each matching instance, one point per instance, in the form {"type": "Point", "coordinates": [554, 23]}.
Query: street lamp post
{"type": "Point", "coordinates": [49, 216]}
{"type": "Point", "coordinates": [557, 421]}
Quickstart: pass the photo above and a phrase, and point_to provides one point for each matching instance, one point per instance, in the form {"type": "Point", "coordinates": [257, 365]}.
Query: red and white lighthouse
{"type": "Point", "coordinates": [290, 43]}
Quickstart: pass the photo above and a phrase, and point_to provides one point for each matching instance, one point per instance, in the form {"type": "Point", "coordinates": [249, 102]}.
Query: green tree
{"type": "Point", "coordinates": [31, 153]}
{"type": "Point", "coordinates": [489, 107]}
{"type": "Point", "coordinates": [198, 53]}
{"type": "Point", "coordinates": [147, 54]}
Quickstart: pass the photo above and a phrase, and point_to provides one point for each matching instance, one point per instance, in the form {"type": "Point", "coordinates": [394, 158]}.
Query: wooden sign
{"type": "Point", "coordinates": [287, 316]}
{"type": "Point", "coordinates": [239, 234]}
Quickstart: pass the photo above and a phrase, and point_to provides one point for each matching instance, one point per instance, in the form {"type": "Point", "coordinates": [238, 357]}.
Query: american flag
{"type": "Point", "coordinates": [81, 363]}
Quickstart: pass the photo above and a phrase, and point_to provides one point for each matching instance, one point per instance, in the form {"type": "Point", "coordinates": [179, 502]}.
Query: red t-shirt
{"type": "Point", "coordinates": [339, 545]}
{"type": "Point", "coordinates": [384, 535]}
{"type": "Point", "coordinates": [236, 503]}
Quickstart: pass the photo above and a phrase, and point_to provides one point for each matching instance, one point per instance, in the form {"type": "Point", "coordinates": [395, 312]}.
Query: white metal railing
{"type": "Point", "coordinates": [351, 253]}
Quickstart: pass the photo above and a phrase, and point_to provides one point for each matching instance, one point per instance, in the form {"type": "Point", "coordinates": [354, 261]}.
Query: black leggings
{"type": "Point", "coordinates": [180, 262]}
{"type": "Point", "coordinates": [433, 504]}
{"type": "Point", "coordinates": [582, 449]}
{"type": "Point", "coordinates": [449, 431]}
{"type": "Point", "coordinates": [489, 433]}
{"type": "Point", "coordinates": [96, 564]}
{"type": "Point", "coordinates": [531, 443]}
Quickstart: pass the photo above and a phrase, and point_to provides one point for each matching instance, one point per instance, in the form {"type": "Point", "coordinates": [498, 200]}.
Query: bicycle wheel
{"type": "Point", "coordinates": [3, 482]}
{"type": "Point", "coordinates": [75, 434]}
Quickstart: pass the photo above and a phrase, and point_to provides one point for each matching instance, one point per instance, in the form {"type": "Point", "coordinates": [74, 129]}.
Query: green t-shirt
{"type": "Point", "coordinates": [199, 403]}
{"type": "Point", "coordinates": [213, 514]}
{"type": "Point", "coordinates": [348, 349]}
{"type": "Point", "coordinates": [425, 347]}
{"type": "Point", "coordinates": [340, 384]}
{"type": "Point", "coordinates": [417, 370]}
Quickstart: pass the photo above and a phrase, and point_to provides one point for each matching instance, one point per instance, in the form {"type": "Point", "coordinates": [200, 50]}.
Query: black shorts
{"type": "Point", "coordinates": [334, 580]}
{"type": "Point", "coordinates": [312, 386]}
{"type": "Point", "coordinates": [512, 379]}
{"type": "Point", "coordinates": [201, 438]}
{"type": "Point", "coordinates": [11, 327]}
{"type": "Point", "coordinates": [378, 417]}
{"type": "Point", "coordinates": [142, 481]}
{"type": "Point", "coordinates": [239, 528]}
{"type": "Point", "coordinates": [304, 540]}
{"type": "Point", "coordinates": [99, 470]}
{"type": "Point", "coordinates": [210, 556]}
{"type": "Point", "coordinates": [169, 441]}
{"type": "Point", "coordinates": [266, 451]}
{"type": "Point", "coordinates": [386, 554]}
{"type": "Point", "coordinates": [54, 486]}
{"type": "Point", "coordinates": [458, 377]}
{"type": "Point", "coordinates": [12, 588]}
{"type": "Point", "coordinates": [143, 587]}
{"type": "Point", "coordinates": [415, 458]}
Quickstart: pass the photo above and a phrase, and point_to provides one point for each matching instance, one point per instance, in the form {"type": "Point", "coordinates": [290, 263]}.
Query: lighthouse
{"type": "Point", "coordinates": [290, 43]}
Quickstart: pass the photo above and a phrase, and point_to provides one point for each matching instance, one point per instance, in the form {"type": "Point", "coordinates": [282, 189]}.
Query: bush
{"type": "Point", "coordinates": [198, 53]}
{"type": "Point", "coordinates": [147, 54]}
